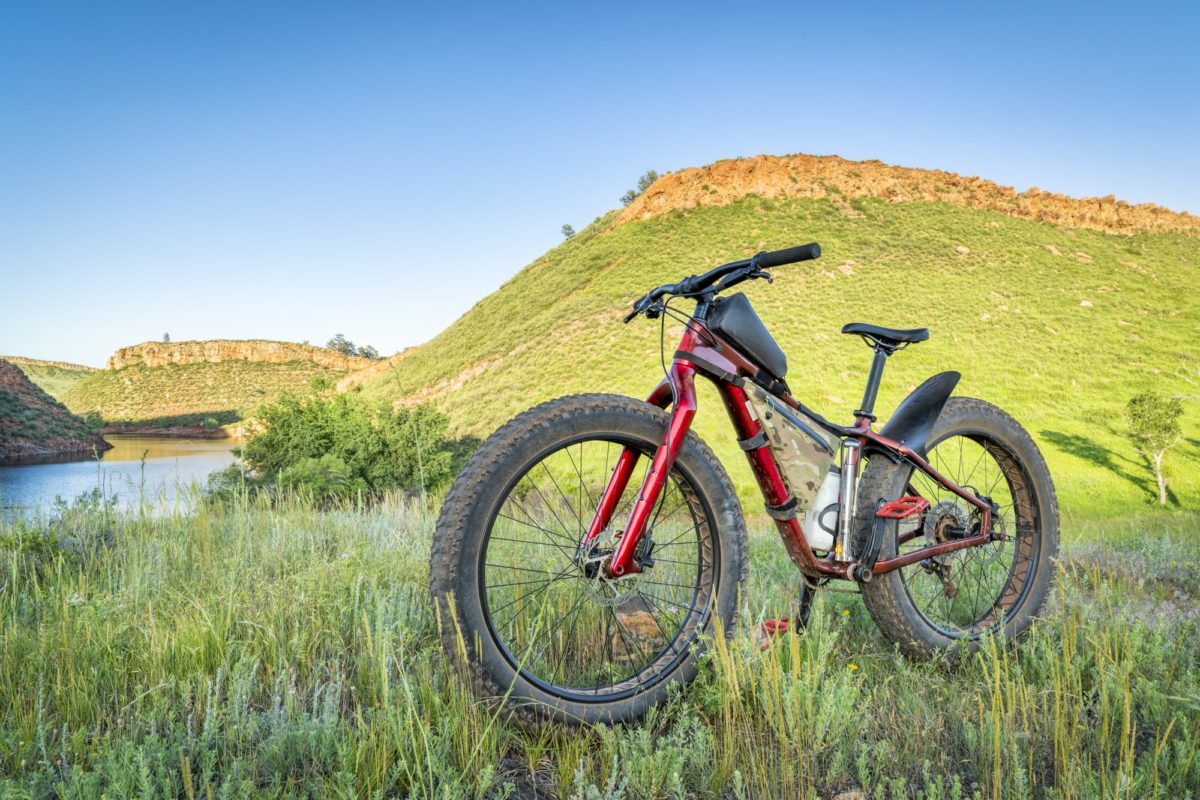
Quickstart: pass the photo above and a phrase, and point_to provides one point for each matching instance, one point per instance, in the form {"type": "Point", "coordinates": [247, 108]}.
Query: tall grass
{"type": "Point", "coordinates": [247, 650]}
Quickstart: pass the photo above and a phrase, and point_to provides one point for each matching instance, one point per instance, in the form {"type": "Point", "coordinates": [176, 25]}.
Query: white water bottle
{"type": "Point", "coordinates": [820, 521]}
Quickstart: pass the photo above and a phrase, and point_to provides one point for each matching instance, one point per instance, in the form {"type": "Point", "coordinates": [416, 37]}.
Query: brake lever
{"type": "Point", "coordinates": [745, 274]}
{"type": "Point", "coordinates": [640, 307]}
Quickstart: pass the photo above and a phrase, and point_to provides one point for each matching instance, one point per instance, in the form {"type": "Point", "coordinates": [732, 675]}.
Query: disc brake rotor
{"type": "Point", "coordinates": [608, 592]}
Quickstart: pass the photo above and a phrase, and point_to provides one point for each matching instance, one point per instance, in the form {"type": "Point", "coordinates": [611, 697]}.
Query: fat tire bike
{"type": "Point", "coordinates": [593, 545]}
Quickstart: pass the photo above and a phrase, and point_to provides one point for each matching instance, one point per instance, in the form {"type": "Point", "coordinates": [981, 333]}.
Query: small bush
{"type": "Point", "coordinates": [327, 476]}
{"type": "Point", "coordinates": [340, 445]}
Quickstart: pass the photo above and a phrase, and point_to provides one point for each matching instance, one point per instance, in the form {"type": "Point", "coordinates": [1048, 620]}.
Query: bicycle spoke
{"type": "Point", "coordinates": [980, 575]}
{"type": "Point", "coordinates": [602, 635]}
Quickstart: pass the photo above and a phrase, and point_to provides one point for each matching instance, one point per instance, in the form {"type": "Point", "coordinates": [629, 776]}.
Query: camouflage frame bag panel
{"type": "Point", "coordinates": [803, 449]}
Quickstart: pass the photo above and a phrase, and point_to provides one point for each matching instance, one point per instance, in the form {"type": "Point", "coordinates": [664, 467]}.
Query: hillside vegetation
{"type": "Point", "coordinates": [206, 383]}
{"type": "Point", "coordinates": [34, 424]}
{"type": "Point", "coordinates": [53, 377]}
{"type": "Point", "coordinates": [190, 394]}
{"type": "Point", "coordinates": [1058, 325]}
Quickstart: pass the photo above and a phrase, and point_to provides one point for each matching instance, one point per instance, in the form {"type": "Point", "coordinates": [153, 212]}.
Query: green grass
{"type": "Point", "coordinates": [178, 393]}
{"type": "Point", "coordinates": [53, 378]}
{"type": "Point", "coordinates": [1010, 316]}
{"type": "Point", "coordinates": [247, 651]}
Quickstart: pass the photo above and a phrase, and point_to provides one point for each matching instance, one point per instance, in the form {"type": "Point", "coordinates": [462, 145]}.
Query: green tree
{"type": "Point", "coordinates": [340, 344]}
{"type": "Point", "coordinates": [366, 351]}
{"type": "Point", "coordinates": [1154, 429]}
{"type": "Point", "coordinates": [166, 338]}
{"type": "Point", "coordinates": [567, 231]}
{"type": "Point", "coordinates": [644, 182]}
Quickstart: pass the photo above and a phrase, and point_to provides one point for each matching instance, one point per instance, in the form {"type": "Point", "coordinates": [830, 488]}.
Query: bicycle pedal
{"type": "Point", "coordinates": [769, 629]}
{"type": "Point", "coordinates": [903, 508]}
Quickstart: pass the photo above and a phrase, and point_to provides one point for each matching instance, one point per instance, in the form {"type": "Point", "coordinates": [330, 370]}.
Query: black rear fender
{"type": "Point", "coordinates": [916, 415]}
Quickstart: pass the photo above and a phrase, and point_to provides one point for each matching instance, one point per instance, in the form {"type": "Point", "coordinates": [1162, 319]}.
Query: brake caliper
{"type": "Point", "coordinates": [643, 554]}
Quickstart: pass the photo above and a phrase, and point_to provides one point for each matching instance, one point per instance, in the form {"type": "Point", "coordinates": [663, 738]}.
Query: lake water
{"type": "Point", "coordinates": [169, 465]}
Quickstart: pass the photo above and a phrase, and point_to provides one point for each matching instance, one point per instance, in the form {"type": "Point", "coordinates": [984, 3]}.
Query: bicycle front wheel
{"type": "Point", "coordinates": [549, 630]}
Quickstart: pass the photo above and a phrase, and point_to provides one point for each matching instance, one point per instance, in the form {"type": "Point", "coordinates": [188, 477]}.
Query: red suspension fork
{"type": "Point", "coordinates": [622, 471]}
{"type": "Point", "coordinates": [681, 387]}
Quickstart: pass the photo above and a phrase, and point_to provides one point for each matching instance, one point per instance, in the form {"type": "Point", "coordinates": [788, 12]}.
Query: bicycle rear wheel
{"type": "Point", "coordinates": [950, 602]}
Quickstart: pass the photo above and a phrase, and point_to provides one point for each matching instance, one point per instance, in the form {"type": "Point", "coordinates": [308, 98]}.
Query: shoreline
{"type": "Point", "coordinates": [168, 432]}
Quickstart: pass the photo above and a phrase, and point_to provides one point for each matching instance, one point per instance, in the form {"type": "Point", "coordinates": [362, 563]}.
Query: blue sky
{"type": "Point", "coordinates": [293, 170]}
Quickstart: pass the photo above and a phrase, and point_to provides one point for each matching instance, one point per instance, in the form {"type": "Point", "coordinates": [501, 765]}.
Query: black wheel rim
{"type": "Point", "coordinates": [973, 591]}
{"type": "Point", "coordinates": [580, 637]}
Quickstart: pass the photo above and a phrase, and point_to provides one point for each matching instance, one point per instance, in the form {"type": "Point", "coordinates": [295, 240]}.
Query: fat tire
{"type": "Point", "coordinates": [461, 532]}
{"type": "Point", "coordinates": [886, 597]}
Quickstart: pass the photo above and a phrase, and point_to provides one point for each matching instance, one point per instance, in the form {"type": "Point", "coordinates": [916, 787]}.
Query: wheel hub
{"type": "Point", "coordinates": [606, 591]}
{"type": "Point", "coordinates": [946, 522]}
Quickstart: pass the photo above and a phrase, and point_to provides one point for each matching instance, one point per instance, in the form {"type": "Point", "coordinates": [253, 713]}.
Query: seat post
{"type": "Point", "coordinates": [874, 378]}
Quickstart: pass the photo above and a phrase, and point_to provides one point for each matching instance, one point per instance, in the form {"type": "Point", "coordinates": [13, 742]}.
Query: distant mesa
{"type": "Point", "coordinates": [816, 177]}
{"type": "Point", "coordinates": [22, 361]}
{"type": "Point", "coordinates": [199, 388]}
{"type": "Point", "coordinates": [215, 351]}
{"type": "Point", "coordinates": [35, 425]}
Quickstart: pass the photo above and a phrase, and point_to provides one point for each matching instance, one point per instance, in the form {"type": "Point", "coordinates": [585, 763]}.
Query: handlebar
{"type": "Point", "coordinates": [728, 275]}
{"type": "Point", "coordinates": [792, 255]}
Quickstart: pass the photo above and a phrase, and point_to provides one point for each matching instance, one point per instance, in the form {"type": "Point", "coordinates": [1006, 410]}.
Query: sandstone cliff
{"type": "Point", "coordinates": [33, 424]}
{"type": "Point", "coordinates": [214, 351]}
{"type": "Point", "coordinates": [801, 176]}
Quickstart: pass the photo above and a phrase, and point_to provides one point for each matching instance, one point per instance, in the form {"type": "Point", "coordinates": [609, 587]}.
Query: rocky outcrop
{"type": "Point", "coordinates": [801, 176]}
{"type": "Point", "coordinates": [33, 424]}
{"type": "Point", "coordinates": [214, 351]}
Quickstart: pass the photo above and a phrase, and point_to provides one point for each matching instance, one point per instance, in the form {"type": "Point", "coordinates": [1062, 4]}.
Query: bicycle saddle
{"type": "Point", "coordinates": [891, 338]}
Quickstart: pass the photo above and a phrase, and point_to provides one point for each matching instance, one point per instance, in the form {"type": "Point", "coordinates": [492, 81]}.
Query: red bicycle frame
{"type": "Point", "coordinates": [701, 351]}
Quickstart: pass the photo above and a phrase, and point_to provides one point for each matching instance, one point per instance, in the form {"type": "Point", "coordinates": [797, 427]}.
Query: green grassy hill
{"type": "Point", "coordinates": [34, 424]}
{"type": "Point", "coordinates": [1058, 325]}
{"type": "Point", "coordinates": [53, 377]}
{"type": "Point", "coordinates": [187, 384]}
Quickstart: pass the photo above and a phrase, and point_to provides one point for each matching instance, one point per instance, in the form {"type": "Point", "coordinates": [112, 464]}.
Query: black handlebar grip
{"type": "Point", "coordinates": [792, 255]}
